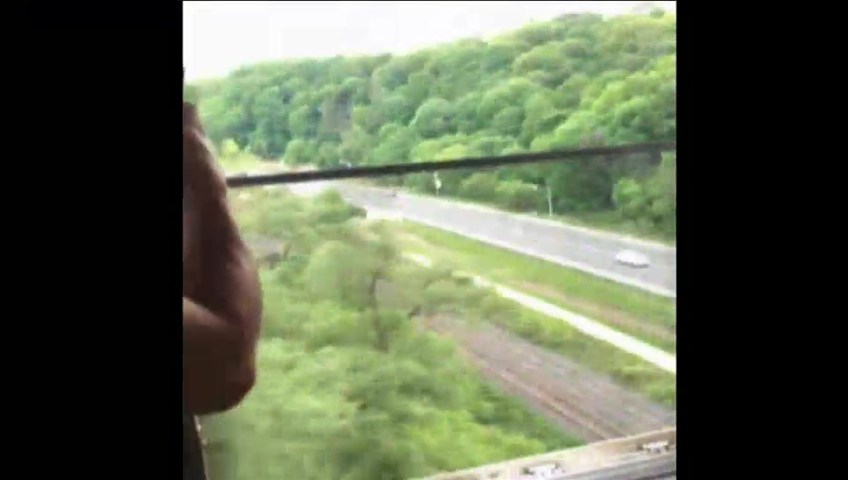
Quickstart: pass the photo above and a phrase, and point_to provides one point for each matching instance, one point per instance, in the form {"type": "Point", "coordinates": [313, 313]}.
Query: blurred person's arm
{"type": "Point", "coordinates": [221, 293]}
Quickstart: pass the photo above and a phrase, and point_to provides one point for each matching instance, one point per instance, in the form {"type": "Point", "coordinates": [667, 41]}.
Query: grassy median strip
{"type": "Point", "coordinates": [648, 317]}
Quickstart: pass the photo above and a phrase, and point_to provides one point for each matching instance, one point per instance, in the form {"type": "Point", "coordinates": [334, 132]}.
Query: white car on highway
{"type": "Point", "coordinates": [632, 259]}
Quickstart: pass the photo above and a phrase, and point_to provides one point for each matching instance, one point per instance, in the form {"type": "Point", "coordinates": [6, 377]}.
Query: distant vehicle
{"type": "Point", "coordinates": [632, 259]}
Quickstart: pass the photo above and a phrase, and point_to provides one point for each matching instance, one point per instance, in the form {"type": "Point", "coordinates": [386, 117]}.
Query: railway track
{"type": "Point", "coordinates": [624, 410]}
{"type": "Point", "coordinates": [569, 411]}
{"type": "Point", "coordinates": [579, 400]}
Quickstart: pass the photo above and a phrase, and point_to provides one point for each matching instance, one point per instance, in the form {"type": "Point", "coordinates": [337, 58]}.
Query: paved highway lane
{"type": "Point", "coordinates": [587, 250]}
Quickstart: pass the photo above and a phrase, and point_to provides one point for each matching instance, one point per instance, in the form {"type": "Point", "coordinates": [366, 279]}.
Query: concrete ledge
{"type": "Point", "coordinates": [574, 460]}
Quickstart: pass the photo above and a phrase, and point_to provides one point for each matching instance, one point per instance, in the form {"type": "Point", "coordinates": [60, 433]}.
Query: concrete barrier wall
{"type": "Point", "coordinates": [585, 458]}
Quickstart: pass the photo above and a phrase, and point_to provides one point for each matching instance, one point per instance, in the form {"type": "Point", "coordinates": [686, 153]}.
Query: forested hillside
{"type": "Point", "coordinates": [574, 81]}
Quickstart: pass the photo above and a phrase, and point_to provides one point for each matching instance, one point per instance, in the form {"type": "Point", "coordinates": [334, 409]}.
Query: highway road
{"type": "Point", "coordinates": [576, 247]}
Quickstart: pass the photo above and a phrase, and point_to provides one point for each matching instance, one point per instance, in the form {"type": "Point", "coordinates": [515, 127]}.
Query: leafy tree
{"type": "Point", "coordinates": [395, 145]}
{"type": "Point", "coordinates": [434, 118]}
{"type": "Point", "coordinates": [303, 122]}
{"type": "Point", "coordinates": [229, 148]}
{"type": "Point", "coordinates": [355, 146]}
{"type": "Point", "coordinates": [508, 122]}
{"type": "Point", "coordinates": [300, 151]}
{"type": "Point", "coordinates": [520, 196]}
{"type": "Point", "coordinates": [479, 186]}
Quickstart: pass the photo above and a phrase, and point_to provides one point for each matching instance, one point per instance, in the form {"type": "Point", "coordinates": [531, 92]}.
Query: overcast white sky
{"type": "Point", "coordinates": [219, 37]}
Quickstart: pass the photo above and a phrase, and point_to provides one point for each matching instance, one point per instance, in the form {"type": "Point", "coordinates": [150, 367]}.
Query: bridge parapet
{"type": "Point", "coordinates": [573, 460]}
